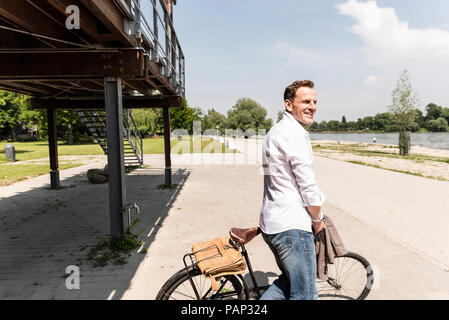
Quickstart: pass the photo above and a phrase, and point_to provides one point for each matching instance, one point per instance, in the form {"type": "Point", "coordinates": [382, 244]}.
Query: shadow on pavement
{"type": "Point", "coordinates": [43, 231]}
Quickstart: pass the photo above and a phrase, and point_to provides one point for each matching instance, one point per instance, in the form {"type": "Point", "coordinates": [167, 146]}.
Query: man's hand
{"type": "Point", "coordinates": [318, 226]}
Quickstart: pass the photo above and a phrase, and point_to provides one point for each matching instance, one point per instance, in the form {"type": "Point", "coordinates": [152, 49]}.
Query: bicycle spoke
{"type": "Point", "coordinates": [348, 273]}
{"type": "Point", "coordinates": [188, 288]}
{"type": "Point", "coordinates": [194, 286]}
{"type": "Point", "coordinates": [347, 279]}
{"type": "Point", "coordinates": [178, 292]}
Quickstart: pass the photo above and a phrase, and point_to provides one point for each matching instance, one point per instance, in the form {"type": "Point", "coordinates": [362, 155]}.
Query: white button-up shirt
{"type": "Point", "coordinates": [289, 180]}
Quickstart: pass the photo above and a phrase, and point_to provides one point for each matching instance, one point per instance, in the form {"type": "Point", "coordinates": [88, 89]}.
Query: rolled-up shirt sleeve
{"type": "Point", "coordinates": [299, 154]}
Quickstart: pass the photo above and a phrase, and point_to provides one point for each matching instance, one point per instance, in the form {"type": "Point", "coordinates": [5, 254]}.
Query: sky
{"type": "Point", "coordinates": [353, 50]}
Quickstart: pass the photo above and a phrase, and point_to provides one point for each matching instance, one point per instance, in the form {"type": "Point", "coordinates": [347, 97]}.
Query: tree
{"type": "Point", "coordinates": [333, 125]}
{"type": "Point", "coordinates": [351, 125]}
{"type": "Point", "coordinates": [322, 125]}
{"type": "Point", "coordinates": [146, 120]}
{"type": "Point", "coordinates": [359, 124]}
{"type": "Point", "coordinates": [267, 124]}
{"type": "Point", "coordinates": [420, 119]}
{"type": "Point", "coordinates": [280, 115]}
{"type": "Point", "coordinates": [15, 109]}
{"type": "Point", "coordinates": [404, 102]}
{"type": "Point", "coordinates": [382, 121]}
{"type": "Point", "coordinates": [438, 125]}
{"type": "Point", "coordinates": [314, 126]}
{"type": "Point", "coordinates": [182, 118]}
{"type": "Point", "coordinates": [9, 112]}
{"type": "Point", "coordinates": [70, 127]}
{"type": "Point", "coordinates": [214, 120]}
{"type": "Point", "coordinates": [445, 114]}
{"type": "Point", "coordinates": [413, 127]}
{"type": "Point", "coordinates": [248, 114]}
{"type": "Point", "coordinates": [433, 111]}
{"type": "Point", "coordinates": [344, 124]}
{"type": "Point", "coordinates": [367, 123]}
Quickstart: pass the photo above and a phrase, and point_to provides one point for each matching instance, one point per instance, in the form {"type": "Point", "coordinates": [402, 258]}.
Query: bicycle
{"type": "Point", "coordinates": [350, 277]}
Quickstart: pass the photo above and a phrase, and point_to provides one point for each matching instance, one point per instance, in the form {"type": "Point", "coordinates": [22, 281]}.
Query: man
{"type": "Point", "coordinates": [292, 201]}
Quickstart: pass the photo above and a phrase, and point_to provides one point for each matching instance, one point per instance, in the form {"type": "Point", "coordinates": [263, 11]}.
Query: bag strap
{"type": "Point", "coordinates": [213, 283]}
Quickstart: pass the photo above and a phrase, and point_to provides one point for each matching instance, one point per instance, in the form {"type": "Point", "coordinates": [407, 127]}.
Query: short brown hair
{"type": "Point", "coordinates": [290, 91]}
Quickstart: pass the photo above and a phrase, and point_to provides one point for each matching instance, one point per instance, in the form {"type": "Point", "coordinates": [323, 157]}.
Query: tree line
{"type": "Point", "coordinates": [435, 119]}
{"type": "Point", "coordinates": [19, 122]}
{"type": "Point", "coordinates": [245, 114]}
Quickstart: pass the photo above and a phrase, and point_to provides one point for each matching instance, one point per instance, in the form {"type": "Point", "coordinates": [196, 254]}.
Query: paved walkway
{"type": "Point", "coordinates": [43, 231]}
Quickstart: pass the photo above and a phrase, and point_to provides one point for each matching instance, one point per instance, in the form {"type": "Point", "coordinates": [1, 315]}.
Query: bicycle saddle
{"type": "Point", "coordinates": [244, 236]}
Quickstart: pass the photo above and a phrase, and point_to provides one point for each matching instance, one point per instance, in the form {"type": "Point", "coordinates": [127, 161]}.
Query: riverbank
{"type": "Point", "coordinates": [436, 140]}
{"type": "Point", "coordinates": [422, 161]}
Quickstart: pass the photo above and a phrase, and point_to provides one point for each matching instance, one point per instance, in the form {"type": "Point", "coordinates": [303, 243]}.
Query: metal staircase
{"type": "Point", "coordinates": [95, 121]}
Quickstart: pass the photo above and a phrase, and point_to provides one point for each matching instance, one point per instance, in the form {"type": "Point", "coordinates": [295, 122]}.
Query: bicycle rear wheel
{"type": "Point", "coordinates": [350, 278]}
{"type": "Point", "coordinates": [180, 287]}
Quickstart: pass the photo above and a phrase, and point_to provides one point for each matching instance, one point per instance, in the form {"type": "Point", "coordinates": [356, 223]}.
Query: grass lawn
{"type": "Point", "coordinates": [13, 173]}
{"type": "Point", "coordinates": [39, 150]}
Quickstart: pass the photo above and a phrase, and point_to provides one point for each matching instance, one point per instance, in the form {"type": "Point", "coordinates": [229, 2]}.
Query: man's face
{"type": "Point", "coordinates": [303, 106]}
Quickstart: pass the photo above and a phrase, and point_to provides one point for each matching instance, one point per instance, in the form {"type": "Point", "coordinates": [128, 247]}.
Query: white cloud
{"type": "Point", "coordinates": [391, 46]}
{"type": "Point", "coordinates": [370, 80]}
{"type": "Point", "coordinates": [388, 39]}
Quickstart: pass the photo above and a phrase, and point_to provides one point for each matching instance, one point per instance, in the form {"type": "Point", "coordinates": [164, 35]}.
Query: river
{"type": "Point", "coordinates": [436, 140]}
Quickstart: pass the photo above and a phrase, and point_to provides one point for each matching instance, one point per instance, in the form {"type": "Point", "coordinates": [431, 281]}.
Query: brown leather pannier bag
{"type": "Point", "coordinates": [218, 257]}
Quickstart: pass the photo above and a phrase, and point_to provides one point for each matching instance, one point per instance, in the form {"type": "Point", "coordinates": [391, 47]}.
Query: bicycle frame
{"type": "Point", "coordinates": [251, 273]}
{"type": "Point", "coordinates": [256, 289]}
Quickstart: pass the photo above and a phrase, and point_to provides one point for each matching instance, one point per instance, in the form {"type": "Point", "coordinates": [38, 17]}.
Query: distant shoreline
{"type": "Point", "coordinates": [433, 140]}
{"type": "Point", "coordinates": [366, 131]}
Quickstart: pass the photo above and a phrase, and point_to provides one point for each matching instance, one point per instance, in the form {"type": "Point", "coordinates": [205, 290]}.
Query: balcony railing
{"type": "Point", "coordinates": [150, 21]}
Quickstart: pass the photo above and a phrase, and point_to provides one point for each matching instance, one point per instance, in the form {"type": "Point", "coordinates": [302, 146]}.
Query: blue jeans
{"type": "Point", "coordinates": [294, 251]}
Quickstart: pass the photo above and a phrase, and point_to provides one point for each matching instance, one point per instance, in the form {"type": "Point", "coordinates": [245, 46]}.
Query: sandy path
{"type": "Point", "coordinates": [409, 209]}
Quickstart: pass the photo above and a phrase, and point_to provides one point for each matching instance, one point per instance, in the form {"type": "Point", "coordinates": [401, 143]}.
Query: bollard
{"type": "Point", "coordinates": [10, 152]}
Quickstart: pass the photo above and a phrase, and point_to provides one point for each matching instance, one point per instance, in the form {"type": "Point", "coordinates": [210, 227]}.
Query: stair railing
{"type": "Point", "coordinates": [95, 121]}
{"type": "Point", "coordinates": [152, 22]}
{"type": "Point", "coordinates": [133, 135]}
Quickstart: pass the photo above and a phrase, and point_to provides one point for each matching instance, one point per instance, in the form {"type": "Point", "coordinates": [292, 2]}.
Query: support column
{"type": "Point", "coordinates": [53, 148]}
{"type": "Point", "coordinates": [116, 165]}
{"type": "Point", "coordinates": [166, 113]}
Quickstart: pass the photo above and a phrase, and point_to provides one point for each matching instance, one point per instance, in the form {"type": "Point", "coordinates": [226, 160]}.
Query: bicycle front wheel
{"type": "Point", "coordinates": [350, 278]}
{"type": "Point", "coordinates": [190, 284]}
